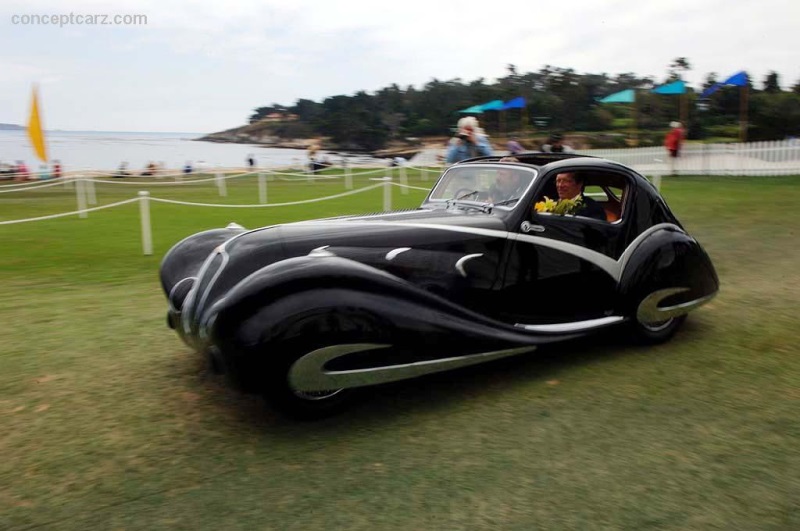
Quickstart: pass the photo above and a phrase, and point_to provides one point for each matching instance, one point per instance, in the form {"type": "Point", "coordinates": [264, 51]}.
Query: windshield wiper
{"type": "Point", "coordinates": [464, 196]}
{"type": "Point", "coordinates": [507, 201]}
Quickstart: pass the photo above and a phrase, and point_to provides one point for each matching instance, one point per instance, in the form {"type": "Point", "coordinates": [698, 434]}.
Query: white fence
{"type": "Point", "coordinates": [84, 191]}
{"type": "Point", "coordinates": [780, 157]}
{"type": "Point", "coordinates": [754, 158]}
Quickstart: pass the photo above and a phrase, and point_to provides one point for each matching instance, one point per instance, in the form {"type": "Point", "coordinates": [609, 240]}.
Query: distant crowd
{"type": "Point", "coordinates": [19, 171]}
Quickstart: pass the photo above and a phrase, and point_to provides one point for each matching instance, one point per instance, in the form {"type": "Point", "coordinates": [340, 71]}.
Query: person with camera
{"type": "Point", "coordinates": [470, 141]}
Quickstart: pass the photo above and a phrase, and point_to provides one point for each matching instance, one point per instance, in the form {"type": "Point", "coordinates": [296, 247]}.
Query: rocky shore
{"type": "Point", "coordinates": [261, 136]}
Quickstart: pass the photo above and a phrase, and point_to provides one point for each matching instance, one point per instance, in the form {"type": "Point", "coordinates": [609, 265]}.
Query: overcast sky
{"type": "Point", "coordinates": [204, 65]}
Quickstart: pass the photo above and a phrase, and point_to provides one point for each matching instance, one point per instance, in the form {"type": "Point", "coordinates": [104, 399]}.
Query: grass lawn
{"type": "Point", "coordinates": [109, 422]}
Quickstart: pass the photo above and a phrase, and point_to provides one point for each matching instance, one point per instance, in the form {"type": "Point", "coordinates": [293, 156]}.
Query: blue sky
{"type": "Point", "coordinates": [203, 66]}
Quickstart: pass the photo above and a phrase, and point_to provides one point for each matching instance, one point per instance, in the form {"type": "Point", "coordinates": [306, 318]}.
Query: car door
{"type": "Point", "coordinates": [560, 268]}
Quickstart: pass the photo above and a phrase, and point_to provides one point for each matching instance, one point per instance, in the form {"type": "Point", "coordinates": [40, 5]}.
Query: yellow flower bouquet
{"type": "Point", "coordinates": [563, 207]}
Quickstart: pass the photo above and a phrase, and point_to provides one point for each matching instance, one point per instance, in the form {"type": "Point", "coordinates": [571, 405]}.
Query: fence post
{"type": "Point", "coordinates": [348, 177]}
{"type": "Point", "coordinates": [387, 193]}
{"type": "Point", "coordinates": [403, 180]}
{"type": "Point", "coordinates": [144, 214]}
{"type": "Point", "coordinates": [262, 188]}
{"type": "Point", "coordinates": [91, 197]}
{"type": "Point", "coordinates": [221, 184]}
{"type": "Point", "coordinates": [81, 196]}
{"type": "Point", "coordinates": [656, 180]}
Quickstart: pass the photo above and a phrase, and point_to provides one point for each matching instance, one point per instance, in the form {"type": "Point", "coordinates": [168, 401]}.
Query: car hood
{"type": "Point", "coordinates": [365, 238]}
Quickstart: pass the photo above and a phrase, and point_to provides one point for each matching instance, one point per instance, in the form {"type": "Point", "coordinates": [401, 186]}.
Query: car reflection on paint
{"type": "Point", "coordinates": [306, 313]}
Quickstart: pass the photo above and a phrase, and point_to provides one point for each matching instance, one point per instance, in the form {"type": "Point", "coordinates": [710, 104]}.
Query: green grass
{"type": "Point", "coordinates": [110, 422]}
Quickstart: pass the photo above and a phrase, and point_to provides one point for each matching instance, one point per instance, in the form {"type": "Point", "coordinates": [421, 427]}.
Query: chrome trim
{"type": "Point", "coordinates": [649, 313]}
{"type": "Point", "coordinates": [321, 251]}
{"type": "Point", "coordinates": [391, 255]}
{"type": "Point", "coordinates": [217, 273]}
{"type": "Point", "coordinates": [463, 260]}
{"type": "Point", "coordinates": [308, 373]}
{"type": "Point", "coordinates": [171, 291]}
{"type": "Point", "coordinates": [577, 326]}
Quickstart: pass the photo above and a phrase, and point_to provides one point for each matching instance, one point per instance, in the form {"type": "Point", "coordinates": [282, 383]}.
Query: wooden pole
{"type": "Point", "coordinates": [744, 93]}
{"type": "Point", "coordinates": [684, 103]}
{"type": "Point", "coordinates": [635, 120]}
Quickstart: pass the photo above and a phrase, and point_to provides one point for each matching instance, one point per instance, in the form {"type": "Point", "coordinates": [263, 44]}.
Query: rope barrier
{"type": "Point", "coordinates": [42, 185]}
{"type": "Point", "coordinates": [303, 202]}
{"type": "Point", "coordinates": [54, 216]}
{"type": "Point", "coordinates": [412, 187]}
{"type": "Point", "coordinates": [171, 183]}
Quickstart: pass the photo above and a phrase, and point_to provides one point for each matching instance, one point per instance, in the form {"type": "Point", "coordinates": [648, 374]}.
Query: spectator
{"type": "Point", "coordinates": [514, 147]}
{"type": "Point", "coordinates": [122, 171]}
{"type": "Point", "coordinates": [187, 168]}
{"type": "Point", "coordinates": [251, 161]}
{"type": "Point", "coordinates": [555, 144]}
{"type": "Point", "coordinates": [470, 141]}
{"type": "Point", "coordinates": [56, 169]}
{"type": "Point", "coordinates": [673, 142]}
{"type": "Point", "coordinates": [674, 139]}
{"type": "Point", "coordinates": [22, 173]}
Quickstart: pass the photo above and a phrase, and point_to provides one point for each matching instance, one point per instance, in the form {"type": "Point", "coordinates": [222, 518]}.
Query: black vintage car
{"type": "Point", "coordinates": [308, 312]}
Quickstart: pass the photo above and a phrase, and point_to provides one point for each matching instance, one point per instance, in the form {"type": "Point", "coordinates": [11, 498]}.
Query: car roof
{"type": "Point", "coordinates": [555, 161]}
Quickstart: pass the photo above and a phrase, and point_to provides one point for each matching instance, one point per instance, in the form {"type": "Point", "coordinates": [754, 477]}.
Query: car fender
{"type": "Point", "coordinates": [666, 269]}
{"type": "Point", "coordinates": [183, 261]}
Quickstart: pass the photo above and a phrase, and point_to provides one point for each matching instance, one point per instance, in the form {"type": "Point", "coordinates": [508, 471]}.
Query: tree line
{"type": "Point", "coordinates": [558, 99]}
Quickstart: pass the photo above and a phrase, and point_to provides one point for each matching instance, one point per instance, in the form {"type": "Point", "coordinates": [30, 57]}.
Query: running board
{"type": "Point", "coordinates": [577, 326]}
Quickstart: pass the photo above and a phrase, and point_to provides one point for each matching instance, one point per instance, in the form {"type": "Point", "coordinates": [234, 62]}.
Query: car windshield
{"type": "Point", "coordinates": [500, 184]}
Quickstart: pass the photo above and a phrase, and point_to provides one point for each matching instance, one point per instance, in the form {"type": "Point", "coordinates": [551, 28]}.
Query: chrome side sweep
{"type": "Point", "coordinates": [308, 373]}
{"type": "Point", "coordinates": [649, 312]}
{"type": "Point", "coordinates": [391, 255]}
{"type": "Point", "coordinates": [577, 326]}
{"type": "Point", "coordinates": [463, 260]}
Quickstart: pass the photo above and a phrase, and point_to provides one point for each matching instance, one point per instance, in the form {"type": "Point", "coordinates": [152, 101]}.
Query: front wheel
{"type": "Point", "coordinates": [296, 403]}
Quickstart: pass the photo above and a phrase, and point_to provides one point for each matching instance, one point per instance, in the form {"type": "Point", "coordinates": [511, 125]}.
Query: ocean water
{"type": "Point", "coordinates": [106, 150]}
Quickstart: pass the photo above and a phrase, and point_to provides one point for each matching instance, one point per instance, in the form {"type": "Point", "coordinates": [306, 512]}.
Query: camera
{"type": "Point", "coordinates": [463, 136]}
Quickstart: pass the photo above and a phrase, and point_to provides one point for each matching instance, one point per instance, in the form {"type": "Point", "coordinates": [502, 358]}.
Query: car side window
{"type": "Point", "coordinates": [597, 195]}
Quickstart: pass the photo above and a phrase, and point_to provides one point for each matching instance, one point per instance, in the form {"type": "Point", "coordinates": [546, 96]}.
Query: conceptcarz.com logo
{"type": "Point", "coordinates": [72, 19]}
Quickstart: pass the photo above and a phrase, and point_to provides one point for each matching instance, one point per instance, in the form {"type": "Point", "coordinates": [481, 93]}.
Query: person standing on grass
{"type": "Point", "coordinates": [56, 169]}
{"type": "Point", "coordinates": [673, 142]}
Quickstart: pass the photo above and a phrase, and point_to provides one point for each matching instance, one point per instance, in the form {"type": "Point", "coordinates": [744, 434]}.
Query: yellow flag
{"type": "Point", "coordinates": [35, 131]}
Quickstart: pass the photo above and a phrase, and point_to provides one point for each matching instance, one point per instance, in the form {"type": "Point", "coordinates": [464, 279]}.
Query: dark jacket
{"type": "Point", "coordinates": [591, 209]}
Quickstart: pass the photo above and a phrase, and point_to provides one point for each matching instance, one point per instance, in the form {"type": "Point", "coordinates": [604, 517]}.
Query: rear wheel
{"type": "Point", "coordinates": [659, 332]}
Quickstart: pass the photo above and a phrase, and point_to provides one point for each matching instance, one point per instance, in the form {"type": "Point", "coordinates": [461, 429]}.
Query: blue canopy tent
{"type": "Point", "coordinates": [676, 88]}
{"type": "Point", "coordinates": [624, 96]}
{"type": "Point", "coordinates": [494, 105]}
{"type": "Point", "coordinates": [739, 79]}
{"type": "Point", "coordinates": [475, 109]}
{"type": "Point", "coordinates": [517, 103]}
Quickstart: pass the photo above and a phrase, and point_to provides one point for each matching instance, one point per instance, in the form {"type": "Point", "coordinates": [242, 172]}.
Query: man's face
{"type": "Point", "coordinates": [567, 186]}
